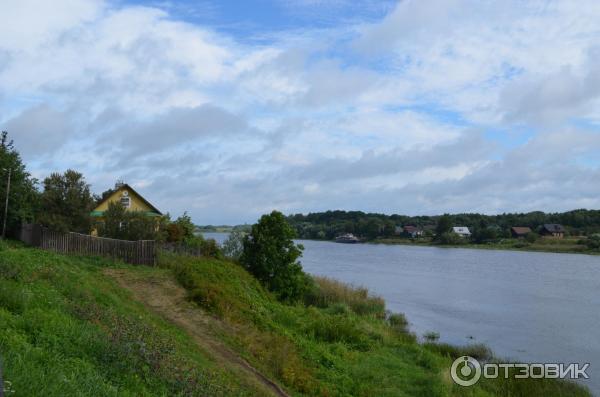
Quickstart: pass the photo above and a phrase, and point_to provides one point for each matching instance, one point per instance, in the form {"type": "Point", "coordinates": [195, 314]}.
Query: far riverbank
{"type": "Point", "coordinates": [558, 246]}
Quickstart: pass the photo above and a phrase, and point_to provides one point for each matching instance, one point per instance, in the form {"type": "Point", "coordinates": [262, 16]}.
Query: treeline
{"type": "Point", "coordinates": [328, 225]}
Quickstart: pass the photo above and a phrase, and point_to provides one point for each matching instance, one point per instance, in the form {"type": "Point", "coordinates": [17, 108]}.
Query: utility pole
{"type": "Point", "coordinates": [6, 205]}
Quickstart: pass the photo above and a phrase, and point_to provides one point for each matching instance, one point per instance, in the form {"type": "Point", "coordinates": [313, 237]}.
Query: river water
{"type": "Point", "coordinates": [526, 306]}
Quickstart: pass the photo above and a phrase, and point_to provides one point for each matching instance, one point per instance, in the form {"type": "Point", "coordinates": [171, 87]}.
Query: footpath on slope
{"type": "Point", "coordinates": [166, 298]}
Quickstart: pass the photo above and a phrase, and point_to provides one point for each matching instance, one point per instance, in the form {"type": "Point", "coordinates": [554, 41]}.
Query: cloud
{"type": "Point", "coordinates": [40, 130]}
{"type": "Point", "coordinates": [411, 106]}
{"type": "Point", "coordinates": [178, 127]}
{"type": "Point", "coordinates": [555, 97]}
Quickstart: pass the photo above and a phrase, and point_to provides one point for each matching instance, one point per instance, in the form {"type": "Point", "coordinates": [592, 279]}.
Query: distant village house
{"type": "Point", "coordinates": [552, 230]}
{"type": "Point", "coordinates": [519, 231]}
{"type": "Point", "coordinates": [462, 231]}
{"type": "Point", "coordinates": [412, 231]}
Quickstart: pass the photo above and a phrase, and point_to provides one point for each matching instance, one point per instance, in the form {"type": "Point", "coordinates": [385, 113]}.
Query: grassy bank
{"type": "Point", "coordinates": [72, 326]}
{"type": "Point", "coordinates": [569, 245]}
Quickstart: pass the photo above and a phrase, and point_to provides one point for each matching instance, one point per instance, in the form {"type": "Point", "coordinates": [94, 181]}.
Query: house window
{"type": "Point", "coordinates": [126, 201]}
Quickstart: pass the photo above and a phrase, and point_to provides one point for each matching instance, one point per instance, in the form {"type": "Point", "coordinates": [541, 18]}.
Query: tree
{"type": "Point", "coordinates": [233, 247]}
{"type": "Point", "coordinates": [23, 198]}
{"type": "Point", "coordinates": [484, 235]}
{"type": "Point", "coordinates": [450, 238]}
{"type": "Point", "coordinates": [444, 225]}
{"type": "Point", "coordinates": [271, 256]}
{"type": "Point", "coordinates": [66, 202]}
{"type": "Point", "coordinates": [186, 225]}
{"type": "Point", "coordinates": [128, 225]}
{"type": "Point", "coordinates": [115, 218]}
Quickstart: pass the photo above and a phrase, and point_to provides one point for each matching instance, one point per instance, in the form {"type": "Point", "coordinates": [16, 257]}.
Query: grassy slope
{"type": "Point", "coordinates": [67, 329]}
{"type": "Point", "coordinates": [331, 350]}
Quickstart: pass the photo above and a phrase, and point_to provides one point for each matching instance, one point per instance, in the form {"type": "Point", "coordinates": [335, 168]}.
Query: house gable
{"type": "Point", "coordinates": [127, 194]}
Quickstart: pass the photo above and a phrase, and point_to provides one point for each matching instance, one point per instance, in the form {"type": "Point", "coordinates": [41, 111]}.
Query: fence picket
{"type": "Point", "coordinates": [135, 252]}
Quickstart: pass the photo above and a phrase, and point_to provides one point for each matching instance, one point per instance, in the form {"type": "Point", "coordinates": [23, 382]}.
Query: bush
{"type": "Point", "coordinates": [450, 238]}
{"type": "Point", "coordinates": [531, 237]}
{"type": "Point", "coordinates": [398, 322]}
{"type": "Point", "coordinates": [272, 257]}
{"type": "Point", "coordinates": [431, 336]}
{"type": "Point", "coordinates": [195, 246]}
{"type": "Point", "coordinates": [127, 225]}
{"type": "Point", "coordinates": [593, 242]}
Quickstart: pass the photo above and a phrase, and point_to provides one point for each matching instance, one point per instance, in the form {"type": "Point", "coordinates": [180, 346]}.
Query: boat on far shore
{"type": "Point", "coordinates": [347, 238]}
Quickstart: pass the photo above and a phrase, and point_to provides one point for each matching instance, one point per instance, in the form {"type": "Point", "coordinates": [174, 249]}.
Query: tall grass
{"type": "Point", "coordinates": [329, 292]}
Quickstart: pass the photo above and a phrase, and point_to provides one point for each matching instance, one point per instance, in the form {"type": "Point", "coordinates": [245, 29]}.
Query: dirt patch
{"type": "Point", "coordinates": [169, 300]}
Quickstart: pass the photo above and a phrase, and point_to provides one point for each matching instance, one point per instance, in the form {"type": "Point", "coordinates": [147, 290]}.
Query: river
{"type": "Point", "coordinates": [526, 306]}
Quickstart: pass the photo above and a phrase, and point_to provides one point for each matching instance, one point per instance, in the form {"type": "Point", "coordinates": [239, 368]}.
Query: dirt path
{"type": "Point", "coordinates": [168, 299]}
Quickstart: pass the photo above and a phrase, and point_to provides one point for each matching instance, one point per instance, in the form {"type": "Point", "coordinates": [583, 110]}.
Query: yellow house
{"type": "Point", "coordinates": [129, 198]}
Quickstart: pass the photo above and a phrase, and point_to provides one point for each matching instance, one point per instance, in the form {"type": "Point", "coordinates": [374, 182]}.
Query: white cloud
{"type": "Point", "coordinates": [388, 115]}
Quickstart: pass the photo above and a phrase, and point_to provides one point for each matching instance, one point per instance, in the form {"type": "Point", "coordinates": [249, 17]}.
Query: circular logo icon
{"type": "Point", "coordinates": [465, 371]}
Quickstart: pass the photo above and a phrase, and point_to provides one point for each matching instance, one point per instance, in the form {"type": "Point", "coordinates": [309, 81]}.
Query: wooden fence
{"type": "Point", "coordinates": [141, 252]}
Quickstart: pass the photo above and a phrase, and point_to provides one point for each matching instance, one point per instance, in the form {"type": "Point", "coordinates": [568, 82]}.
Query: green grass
{"type": "Point", "coordinates": [66, 329]}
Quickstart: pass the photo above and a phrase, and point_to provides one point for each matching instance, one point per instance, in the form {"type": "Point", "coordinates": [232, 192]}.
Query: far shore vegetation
{"type": "Point", "coordinates": [581, 229]}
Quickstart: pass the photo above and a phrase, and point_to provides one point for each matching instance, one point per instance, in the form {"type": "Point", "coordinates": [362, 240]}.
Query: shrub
{"type": "Point", "coordinates": [531, 237]}
{"type": "Point", "coordinates": [272, 257]}
{"type": "Point", "coordinates": [593, 242]}
{"type": "Point", "coordinates": [450, 238]}
{"type": "Point", "coordinates": [398, 322]}
{"type": "Point", "coordinates": [127, 225]}
{"type": "Point", "coordinates": [431, 336]}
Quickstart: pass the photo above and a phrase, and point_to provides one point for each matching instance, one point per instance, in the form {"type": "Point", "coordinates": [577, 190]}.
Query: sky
{"type": "Point", "coordinates": [231, 109]}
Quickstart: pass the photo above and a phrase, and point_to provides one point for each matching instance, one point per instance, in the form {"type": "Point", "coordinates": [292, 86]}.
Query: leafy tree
{"type": "Point", "coordinates": [450, 238]}
{"type": "Point", "coordinates": [175, 233]}
{"type": "Point", "coordinates": [66, 202]}
{"type": "Point", "coordinates": [23, 199]}
{"type": "Point", "coordinates": [233, 247]}
{"type": "Point", "coordinates": [444, 225]}
{"type": "Point", "coordinates": [128, 225]}
{"type": "Point", "coordinates": [115, 218]}
{"type": "Point", "coordinates": [181, 230]}
{"type": "Point", "coordinates": [184, 222]}
{"type": "Point", "coordinates": [484, 235]}
{"type": "Point", "coordinates": [271, 255]}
